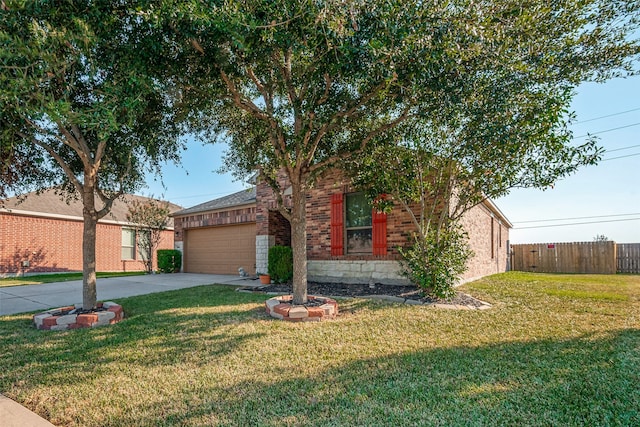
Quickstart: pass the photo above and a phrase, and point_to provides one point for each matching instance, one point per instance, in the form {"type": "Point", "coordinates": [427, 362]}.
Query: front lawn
{"type": "Point", "coordinates": [39, 279]}
{"type": "Point", "coordinates": [554, 350]}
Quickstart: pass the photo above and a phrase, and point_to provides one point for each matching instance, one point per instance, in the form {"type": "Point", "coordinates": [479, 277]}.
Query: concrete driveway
{"type": "Point", "coordinates": [20, 299]}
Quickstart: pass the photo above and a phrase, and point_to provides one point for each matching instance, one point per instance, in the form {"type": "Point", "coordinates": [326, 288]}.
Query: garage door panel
{"type": "Point", "coordinates": [221, 250]}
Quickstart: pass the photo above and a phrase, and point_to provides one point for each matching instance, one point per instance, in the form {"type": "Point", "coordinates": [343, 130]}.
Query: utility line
{"type": "Point", "coordinates": [621, 157]}
{"type": "Point", "coordinates": [608, 115]}
{"type": "Point", "coordinates": [606, 130]}
{"type": "Point", "coordinates": [577, 217]}
{"type": "Point", "coordinates": [622, 148]}
{"type": "Point", "coordinates": [577, 223]}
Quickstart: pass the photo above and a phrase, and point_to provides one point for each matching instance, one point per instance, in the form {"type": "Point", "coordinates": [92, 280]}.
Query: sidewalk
{"type": "Point", "coordinates": [20, 299]}
{"type": "Point", "coordinates": [14, 415]}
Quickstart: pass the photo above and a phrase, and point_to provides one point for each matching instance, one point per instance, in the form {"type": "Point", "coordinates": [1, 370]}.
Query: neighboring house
{"type": "Point", "coordinates": [43, 233]}
{"type": "Point", "coordinates": [346, 240]}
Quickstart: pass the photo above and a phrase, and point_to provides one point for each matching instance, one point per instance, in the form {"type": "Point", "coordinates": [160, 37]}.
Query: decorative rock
{"type": "Point", "coordinates": [56, 320]}
{"type": "Point", "coordinates": [281, 307]}
{"type": "Point", "coordinates": [67, 319]}
{"type": "Point", "coordinates": [38, 318]}
{"type": "Point", "coordinates": [318, 311]}
{"type": "Point", "coordinates": [298, 312]}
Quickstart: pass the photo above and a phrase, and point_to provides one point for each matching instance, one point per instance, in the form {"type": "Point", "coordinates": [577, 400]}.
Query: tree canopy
{"type": "Point", "coordinates": [80, 107]}
{"type": "Point", "coordinates": [300, 87]}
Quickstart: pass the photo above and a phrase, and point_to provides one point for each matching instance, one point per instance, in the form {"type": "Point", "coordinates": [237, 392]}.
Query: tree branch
{"type": "Point", "coordinates": [67, 170]}
{"type": "Point", "coordinates": [363, 144]}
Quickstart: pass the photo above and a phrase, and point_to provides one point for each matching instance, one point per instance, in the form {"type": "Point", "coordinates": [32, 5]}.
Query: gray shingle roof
{"type": "Point", "coordinates": [48, 202]}
{"type": "Point", "coordinates": [240, 198]}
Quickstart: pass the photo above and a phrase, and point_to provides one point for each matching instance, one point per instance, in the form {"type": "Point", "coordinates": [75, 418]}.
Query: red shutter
{"type": "Point", "coordinates": [379, 232]}
{"type": "Point", "coordinates": [337, 225]}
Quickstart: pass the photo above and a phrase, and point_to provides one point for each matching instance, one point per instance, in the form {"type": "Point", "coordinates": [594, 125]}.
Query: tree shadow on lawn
{"type": "Point", "coordinates": [169, 327]}
{"type": "Point", "coordinates": [582, 381]}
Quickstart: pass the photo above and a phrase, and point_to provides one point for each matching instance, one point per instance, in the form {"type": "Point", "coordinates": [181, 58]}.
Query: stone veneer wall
{"type": "Point", "coordinates": [263, 243]}
{"type": "Point", "coordinates": [356, 271]}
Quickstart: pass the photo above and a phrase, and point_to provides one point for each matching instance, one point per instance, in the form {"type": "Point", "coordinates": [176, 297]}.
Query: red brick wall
{"type": "Point", "coordinates": [477, 222]}
{"type": "Point", "coordinates": [208, 219]}
{"type": "Point", "coordinates": [56, 245]}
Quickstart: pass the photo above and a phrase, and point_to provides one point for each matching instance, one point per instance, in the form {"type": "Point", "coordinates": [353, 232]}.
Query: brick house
{"type": "Point", "coordinates": [346, 240]}
{"type": "Point", "coordinates": [43, 233]}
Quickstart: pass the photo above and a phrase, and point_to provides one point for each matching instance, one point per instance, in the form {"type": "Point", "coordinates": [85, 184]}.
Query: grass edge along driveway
{"type": "Point", "coordinates": [39, 279]}
{"type": "Point", "coordinates": [554, 350]}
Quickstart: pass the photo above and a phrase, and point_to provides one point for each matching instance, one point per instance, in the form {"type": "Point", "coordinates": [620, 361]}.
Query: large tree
{"type": "Point", "coordinates": [308, 85]}
{"type": "Point", "coordinates": [77, 95]}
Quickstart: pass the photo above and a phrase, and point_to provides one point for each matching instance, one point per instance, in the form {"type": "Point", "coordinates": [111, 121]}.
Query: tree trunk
{"type": "Point", "coordinates": [89, 294]}
{"type": "Point", "coordinates": [299, 243]}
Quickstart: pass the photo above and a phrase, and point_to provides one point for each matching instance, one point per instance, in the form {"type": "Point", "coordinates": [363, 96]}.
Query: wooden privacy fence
{"type": "Point", "coordinates": [629, 258]}
{"type": "Point", "coordinates": [581, 257]}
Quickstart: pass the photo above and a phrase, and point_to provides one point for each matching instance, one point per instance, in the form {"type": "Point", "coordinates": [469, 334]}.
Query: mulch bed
{"type": "Point", "coordinates": [361, 290]}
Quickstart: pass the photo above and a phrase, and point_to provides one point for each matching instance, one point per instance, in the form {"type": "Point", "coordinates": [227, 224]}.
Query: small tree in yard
{"type": "Point", "coordinates": [79, 108]}
{"type": "Point", "coordinates": [150, 219]}
{"type": "Point", "coordinates": [300, 87]}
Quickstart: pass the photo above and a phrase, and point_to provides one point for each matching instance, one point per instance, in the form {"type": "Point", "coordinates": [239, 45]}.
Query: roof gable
{"type": "Point", "coordinates": [240, 198]}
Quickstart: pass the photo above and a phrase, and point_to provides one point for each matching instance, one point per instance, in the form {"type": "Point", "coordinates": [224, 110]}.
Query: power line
{"type": "Point", "coordinates": [608, 115]}
{"type": "Point", "coordinates": [621, 157]}
{"type": "Point", "coordinates": [577, 217]}
{"type": "Point", "coordinates": [607, 130]}
{"type": "Point", "coordinates": [622, 148]}
{"type": "Point", "coordinates": [577, 223]}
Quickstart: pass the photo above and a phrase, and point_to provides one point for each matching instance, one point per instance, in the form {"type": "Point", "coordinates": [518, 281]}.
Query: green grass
{"type": "Point", "coordinates": [545, 354]}
{"type": "Point", "coordinates": [39, 279]}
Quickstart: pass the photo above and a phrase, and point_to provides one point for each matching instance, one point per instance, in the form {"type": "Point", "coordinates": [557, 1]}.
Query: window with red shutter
{"type": "Point", "coordinates": [379, 233]}
{"type": "Point", "coordinates": [337, 224]}
{"type": "Point", "coordinates": [356, 228]}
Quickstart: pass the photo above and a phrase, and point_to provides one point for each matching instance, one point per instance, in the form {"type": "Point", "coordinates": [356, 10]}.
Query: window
{"type": "Point", "coordinates": [492, 239]}
{"type": "Point", "coordinates": [355, 224]}
{"type": "Point", "coordinates": [128, 243]}
{"type": "Point", "coordinates": [358, 224]}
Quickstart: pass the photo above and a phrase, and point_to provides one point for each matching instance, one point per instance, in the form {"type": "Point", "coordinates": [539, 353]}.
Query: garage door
{"type": "Point", "coordinates": [220, 250]}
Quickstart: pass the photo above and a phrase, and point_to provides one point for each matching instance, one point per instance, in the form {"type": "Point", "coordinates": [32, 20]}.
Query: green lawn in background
{"type": "Point", "coordinates": [553, 350]}
{"type": "Point", "coordinates": [39, 279]}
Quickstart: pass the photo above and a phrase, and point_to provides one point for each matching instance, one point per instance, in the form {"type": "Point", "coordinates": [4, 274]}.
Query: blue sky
{"type": "Point", "coordinates": [606, 196]}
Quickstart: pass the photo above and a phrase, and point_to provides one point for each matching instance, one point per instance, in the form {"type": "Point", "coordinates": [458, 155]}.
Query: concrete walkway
{"type": "Point", "coordinates": [13, 414]}
{"type": "Point", "coordinates": [20, 299]}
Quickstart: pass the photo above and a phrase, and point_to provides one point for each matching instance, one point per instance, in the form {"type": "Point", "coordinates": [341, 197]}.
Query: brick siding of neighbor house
{"type": "Point", "coordinates": [45, 229]}
{"type": "Point", "coordinates": [55, 245]}
{"type": "Point", "coordinates": [323, 266]}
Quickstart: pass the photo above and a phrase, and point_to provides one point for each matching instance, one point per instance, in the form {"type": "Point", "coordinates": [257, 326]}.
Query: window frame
{"type": "Point", "coordinates": [133, 249]}
{"type": "Point", "coordinates": [347, 229]}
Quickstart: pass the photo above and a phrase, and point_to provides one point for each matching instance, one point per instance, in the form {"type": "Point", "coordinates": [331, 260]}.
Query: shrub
{"type": "Point", "coordinates": [280, 263]}
{"type": "Point", "coordinates": [169, 260]}
{"type": "Point", "coordinates": [436, 262]}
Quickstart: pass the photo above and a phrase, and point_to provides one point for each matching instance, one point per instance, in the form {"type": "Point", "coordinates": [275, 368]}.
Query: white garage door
{"type": "Point", "coordinates": [220, 250]}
